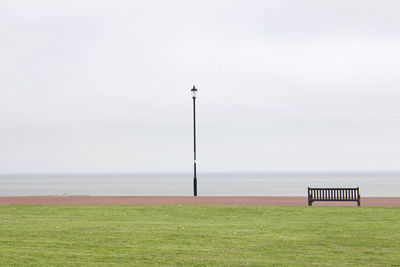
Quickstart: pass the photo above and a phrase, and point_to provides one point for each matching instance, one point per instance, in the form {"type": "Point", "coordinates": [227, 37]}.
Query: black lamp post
{"type": "Point", "coordinates": [194, 91]}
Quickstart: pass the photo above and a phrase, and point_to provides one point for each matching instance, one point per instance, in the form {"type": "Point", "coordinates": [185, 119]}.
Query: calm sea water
{"type": "Point", "coordinates": [209, 184]}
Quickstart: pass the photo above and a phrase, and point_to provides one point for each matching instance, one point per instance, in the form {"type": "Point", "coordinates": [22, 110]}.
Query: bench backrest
{"type": "Point", "coordinates": [345, 194]}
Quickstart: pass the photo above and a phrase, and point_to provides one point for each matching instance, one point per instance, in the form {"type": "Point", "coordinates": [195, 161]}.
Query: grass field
{"type": "Point", "coordinates": [199, 236]}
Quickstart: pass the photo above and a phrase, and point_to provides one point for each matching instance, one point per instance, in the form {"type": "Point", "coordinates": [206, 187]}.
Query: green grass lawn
{"type": "Point", "coordinates": [199, 235]}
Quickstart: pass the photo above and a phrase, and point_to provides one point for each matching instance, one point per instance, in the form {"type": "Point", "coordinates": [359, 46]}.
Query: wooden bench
{"type": "Point", "coordinates": [333, 194]}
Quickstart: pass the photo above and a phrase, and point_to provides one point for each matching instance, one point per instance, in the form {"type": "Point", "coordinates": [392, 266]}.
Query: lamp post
{"type": "Point", "coordinates": [194, 91]}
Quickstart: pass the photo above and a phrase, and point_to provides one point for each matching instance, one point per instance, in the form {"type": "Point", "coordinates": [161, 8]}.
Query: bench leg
{"type": "Point", "coordinates": [358, 203]}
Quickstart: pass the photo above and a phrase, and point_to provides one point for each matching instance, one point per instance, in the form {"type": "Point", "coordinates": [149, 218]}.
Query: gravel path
{"type": "Point", "coordinates": [183, 200]}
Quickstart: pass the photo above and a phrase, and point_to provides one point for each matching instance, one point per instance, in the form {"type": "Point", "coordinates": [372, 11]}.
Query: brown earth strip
{"type": "Point", "coordinates": [186, 200]}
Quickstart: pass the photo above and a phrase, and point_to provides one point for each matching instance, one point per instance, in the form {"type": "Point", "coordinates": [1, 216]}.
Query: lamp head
{"type": "Point", "coordinates": [194, 91]}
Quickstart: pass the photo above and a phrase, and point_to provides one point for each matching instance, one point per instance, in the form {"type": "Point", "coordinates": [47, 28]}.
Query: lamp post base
{"type": "Point", "coordinates": [195, 186]}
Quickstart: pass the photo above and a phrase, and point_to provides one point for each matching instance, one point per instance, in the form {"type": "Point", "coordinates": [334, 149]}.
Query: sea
{"type": "Point", "coordinates": [381, 184]}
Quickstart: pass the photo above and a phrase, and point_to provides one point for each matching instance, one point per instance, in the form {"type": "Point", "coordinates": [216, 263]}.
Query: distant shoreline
{"type": "Point", "coordinates": [209, 184]}
{"type": "Point", "coordinates": [188, 200]}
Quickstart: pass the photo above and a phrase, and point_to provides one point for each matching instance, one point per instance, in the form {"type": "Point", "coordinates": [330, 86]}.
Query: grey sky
{"type": "Point", "coordinates": [103, 86]}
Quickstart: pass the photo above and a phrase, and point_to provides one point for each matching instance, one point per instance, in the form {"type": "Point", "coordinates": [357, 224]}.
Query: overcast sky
{"type": "Point", "coordinates": [104, 86]}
